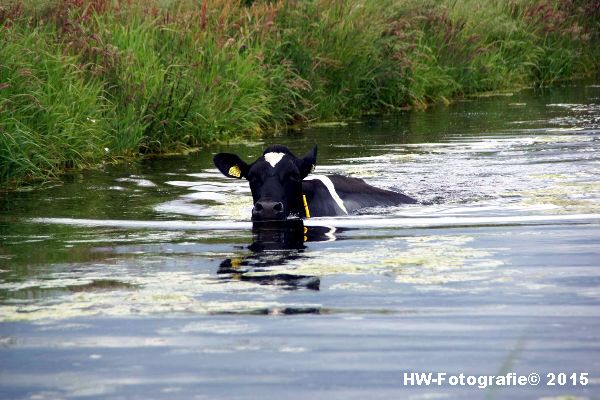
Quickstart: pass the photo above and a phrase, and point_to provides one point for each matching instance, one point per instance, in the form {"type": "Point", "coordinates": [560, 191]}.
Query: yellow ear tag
{"type": "Point", "coordinates": [306, 210]}
{"type": "Point", "coordinates": [235, 263]}
{"type": "Point", "coordinates": [235, 171]}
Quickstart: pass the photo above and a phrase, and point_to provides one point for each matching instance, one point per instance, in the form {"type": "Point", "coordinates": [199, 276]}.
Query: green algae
{"type": "Point", "coordinates": [426, 260]}
{"type": "Point", "coordinates": [567, 195]}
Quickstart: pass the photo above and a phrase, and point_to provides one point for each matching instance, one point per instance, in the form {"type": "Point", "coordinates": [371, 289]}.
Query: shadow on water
{"type": "Point", "coordinates": [276, 243]}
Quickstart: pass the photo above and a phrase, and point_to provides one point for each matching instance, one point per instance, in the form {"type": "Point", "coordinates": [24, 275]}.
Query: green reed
{"type": "Point", "coordinates": [51, 118]}
{"type": "Point", "coordinates": [87, 81]}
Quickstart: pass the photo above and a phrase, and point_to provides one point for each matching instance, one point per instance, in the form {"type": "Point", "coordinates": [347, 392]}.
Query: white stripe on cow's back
{"type": "Point", "coordinates": [329, 185]}
{"type": "Point", "coordinates": [273, 158]}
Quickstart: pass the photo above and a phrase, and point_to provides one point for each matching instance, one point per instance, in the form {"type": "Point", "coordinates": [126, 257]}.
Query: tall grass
{"type": "Point", "coordinates": [181, 91]}
{"type": "Point", "coordinates": [50, 117]}
{"type": "Point", "coordinates": [469, 46]}
{"type": "Point", "coordinates": [86, 80]}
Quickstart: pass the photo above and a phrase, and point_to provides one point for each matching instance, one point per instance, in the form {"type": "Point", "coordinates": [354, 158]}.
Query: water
{"type": "Point", "coordinates": [146, 281]}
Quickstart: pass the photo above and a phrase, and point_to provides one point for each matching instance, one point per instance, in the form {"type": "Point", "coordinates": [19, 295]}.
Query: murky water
{"type": "Point", "coordinates": [146, 281]}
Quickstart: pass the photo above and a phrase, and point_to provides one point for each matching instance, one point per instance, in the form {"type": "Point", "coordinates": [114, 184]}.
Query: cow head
{"type": "Point", "coordinates": [275, 180]}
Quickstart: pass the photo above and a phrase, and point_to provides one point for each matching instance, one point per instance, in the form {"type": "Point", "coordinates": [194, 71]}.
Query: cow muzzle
{"type": "Point", "coordinates": [267, 210]}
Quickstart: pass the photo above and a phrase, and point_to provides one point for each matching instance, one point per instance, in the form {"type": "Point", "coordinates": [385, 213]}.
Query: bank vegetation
{"type": "Point", "coordinates": [84, 82]}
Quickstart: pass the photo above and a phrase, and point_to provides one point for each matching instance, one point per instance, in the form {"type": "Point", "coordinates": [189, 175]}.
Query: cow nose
{"type": "Point", "coordinates": [267, 210]}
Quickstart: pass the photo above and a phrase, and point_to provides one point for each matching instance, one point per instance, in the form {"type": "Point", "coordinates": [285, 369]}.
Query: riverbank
{"type": "Point", "coordinates": [88, 81]}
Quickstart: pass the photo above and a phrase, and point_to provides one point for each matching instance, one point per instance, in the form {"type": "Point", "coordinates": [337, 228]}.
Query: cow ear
{"type": "Point", "coordinates": [231, 165]}
{"type": "Point", "coordinates": [308, 162]}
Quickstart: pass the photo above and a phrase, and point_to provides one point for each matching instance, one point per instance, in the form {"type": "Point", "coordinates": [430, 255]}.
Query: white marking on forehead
{"type": "Point", "coordinates": [273, 158]}
{"type": "Point", "coordinates": [329, 185]}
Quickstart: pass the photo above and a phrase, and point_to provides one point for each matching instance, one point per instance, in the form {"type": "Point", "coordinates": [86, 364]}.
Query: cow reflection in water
{"type": "Point", "coordinates": [275, 244]}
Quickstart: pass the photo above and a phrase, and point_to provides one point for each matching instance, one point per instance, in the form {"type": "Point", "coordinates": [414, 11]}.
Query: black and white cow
{"type": "Point", "coordinates": [281, 187]}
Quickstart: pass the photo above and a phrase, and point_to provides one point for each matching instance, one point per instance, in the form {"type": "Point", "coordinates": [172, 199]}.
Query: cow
{"type": "Point", "coordinates": [282, 188]}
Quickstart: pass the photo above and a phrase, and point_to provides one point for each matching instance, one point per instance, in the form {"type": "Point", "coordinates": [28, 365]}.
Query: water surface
{"type": "Point", "coordinates": [496, 270]}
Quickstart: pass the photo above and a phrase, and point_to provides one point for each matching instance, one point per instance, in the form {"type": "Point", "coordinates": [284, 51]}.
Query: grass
{"type": "Point", "coordinates": [88, 81]}
{"type": "Point", "coordinates": [51, 117]}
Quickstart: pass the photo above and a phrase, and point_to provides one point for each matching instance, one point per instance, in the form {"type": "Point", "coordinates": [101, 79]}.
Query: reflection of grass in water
{"type": "Point", "coordinates": [101, 285]}
{"type": "Point", "coordinates": [43, 288]}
